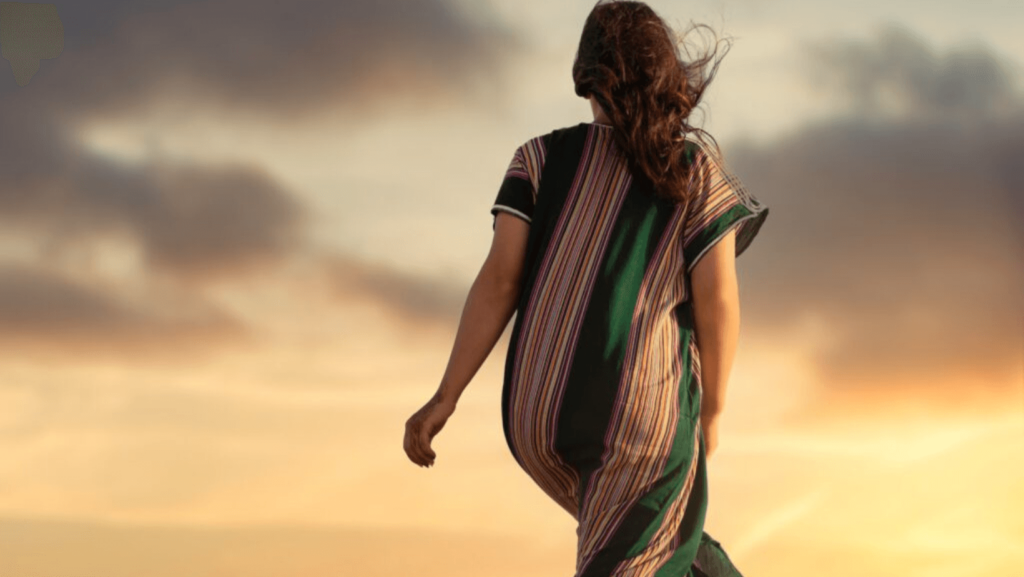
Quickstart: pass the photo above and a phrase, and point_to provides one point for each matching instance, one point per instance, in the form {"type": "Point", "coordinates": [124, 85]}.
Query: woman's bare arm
{"type": "Point", "coordinates": [491, 302]}
{"type": "Point", "coordinates": [489, 306]}
{"type": "Point", "coordinates": [715, 294]}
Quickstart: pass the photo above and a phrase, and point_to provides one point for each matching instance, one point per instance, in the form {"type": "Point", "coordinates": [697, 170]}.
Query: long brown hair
{"type": "Point", "coordinates": [630, 60]}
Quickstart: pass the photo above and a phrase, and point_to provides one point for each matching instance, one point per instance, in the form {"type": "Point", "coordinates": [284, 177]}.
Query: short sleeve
{"type": "Point", "coordinates": [518, 192]}
{"type": "Point", "coordinates": [721, 203]}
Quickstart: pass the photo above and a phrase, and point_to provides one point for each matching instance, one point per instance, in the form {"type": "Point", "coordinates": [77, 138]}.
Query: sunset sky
{"type": "Point", "coordinates": [236, 237]}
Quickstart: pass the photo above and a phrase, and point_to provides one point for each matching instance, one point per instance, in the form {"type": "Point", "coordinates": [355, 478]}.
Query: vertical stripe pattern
{"type": "Point", "coordinates": [646, 412]}
{"type": "Point", "coordinates": [528, 163]}
{"type": "Point", "coordinates": [545, 349]}
{"type": "Point", "coordinates": [601, 398]}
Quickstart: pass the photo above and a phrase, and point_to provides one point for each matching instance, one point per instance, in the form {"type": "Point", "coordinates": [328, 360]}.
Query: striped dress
{"type": "Point", "coordinates": [601, 393]}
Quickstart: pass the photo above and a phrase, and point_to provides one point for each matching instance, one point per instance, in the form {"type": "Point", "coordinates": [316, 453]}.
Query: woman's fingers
{"type": "Point", "coordinates": [412, 443]}
{"type": "Point", "coordinates": [418, 440]}
{"type": "Point", "coordinates": [425, 433]}
{"type": "Point", "coordinates": [425, 445]}
{"type": "Point", "coordinates": [407, 442]}
{"type": "Point", "coordinates": [709, 428]}
{"type": "Point", "coordinates": [421, 428]}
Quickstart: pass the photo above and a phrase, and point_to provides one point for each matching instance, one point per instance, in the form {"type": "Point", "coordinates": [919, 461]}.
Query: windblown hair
{"type": "Point", "coordinates": [630, 60]}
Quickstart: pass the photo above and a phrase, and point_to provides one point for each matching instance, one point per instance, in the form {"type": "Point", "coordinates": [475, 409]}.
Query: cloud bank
{"type": "Point", "coordinates": [193, 225]}
{"type": "Point", "coordinates": [899, 223]}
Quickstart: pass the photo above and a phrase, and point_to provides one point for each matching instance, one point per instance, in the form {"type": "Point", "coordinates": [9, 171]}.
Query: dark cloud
{"type": "Point", "coordinates": [192, 222]}
{"type": "Point", "coordinates": [899, 73]}
{"type": "Point", "coordinates": [196, 222]}
{"type": "Point", "coordinates": [900, 229]}
{"type": "Point", "coordinates": [280, 59]}
{"type": "Point", "coordinates": [206, 222]}
{"type": "Point", "coordinates": [44, 315]}
{"type": "Point", "coordinates": [410, 296]}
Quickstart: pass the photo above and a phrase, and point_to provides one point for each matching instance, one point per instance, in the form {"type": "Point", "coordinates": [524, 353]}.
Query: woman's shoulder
{"type": "Point", "coordinates": [562, 131]}
{"type": "Point", "coordinates": [545, 141]}
{"type": "Point", "coordinates": [703, 150]}
{"type": "Point", "coordinates": [574, 132]}
{"type": "Point", "coordinates": [696, 149]}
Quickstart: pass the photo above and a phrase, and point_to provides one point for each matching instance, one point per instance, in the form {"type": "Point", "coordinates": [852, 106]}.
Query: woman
{"type": "Point", "coordinates": [614, 241]}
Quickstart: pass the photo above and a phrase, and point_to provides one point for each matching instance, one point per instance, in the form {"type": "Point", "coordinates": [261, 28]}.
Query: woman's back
{"type": "Point", "coordinates": [604, 402]}
{"type": "Point", "coordinates": [601, 394]}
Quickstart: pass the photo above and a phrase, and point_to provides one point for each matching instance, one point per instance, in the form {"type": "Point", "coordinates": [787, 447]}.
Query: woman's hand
{"type": "Point", "coordinates": [709, 424]}
{"type": "Point", "coordinates": [422, 426]}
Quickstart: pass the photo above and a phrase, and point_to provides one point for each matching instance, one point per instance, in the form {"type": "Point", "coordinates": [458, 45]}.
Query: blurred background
{"type": "Point", "coordinates": [235, 240]}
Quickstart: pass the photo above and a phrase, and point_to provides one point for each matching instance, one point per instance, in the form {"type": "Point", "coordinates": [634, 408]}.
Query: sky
{"type": "Point", "coordinates": [236, 238]}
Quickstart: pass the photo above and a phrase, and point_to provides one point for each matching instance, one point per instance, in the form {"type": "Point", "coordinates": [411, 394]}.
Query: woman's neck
{"type": "Point", "coordinates": [599, 116]}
